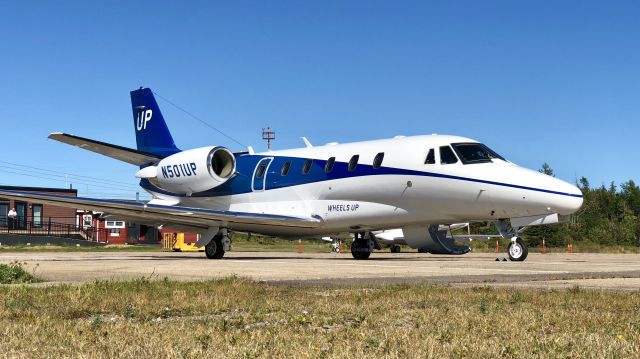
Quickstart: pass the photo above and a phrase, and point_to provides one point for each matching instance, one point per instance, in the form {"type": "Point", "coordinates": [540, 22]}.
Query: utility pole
{"type": "Point", "coordinates": [268, 136]}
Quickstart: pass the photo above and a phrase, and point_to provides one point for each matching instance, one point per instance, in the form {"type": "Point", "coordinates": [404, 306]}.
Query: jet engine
{"type": "Point", "coordinates": [192, 171]}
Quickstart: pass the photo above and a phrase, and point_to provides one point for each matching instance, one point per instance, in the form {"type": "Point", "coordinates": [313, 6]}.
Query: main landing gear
{"type": "Point", "coordinates": [362, 246]}
{"type": "Point", "coordinates": [216, 248]}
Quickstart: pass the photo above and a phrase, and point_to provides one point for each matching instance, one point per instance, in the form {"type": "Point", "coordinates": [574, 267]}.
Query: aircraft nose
{"type": "Point", "coordinates": [570, 198]}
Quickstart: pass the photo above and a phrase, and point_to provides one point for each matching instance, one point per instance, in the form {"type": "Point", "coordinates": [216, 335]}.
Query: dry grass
{"type": "Point", "coordinates": [238, 318]}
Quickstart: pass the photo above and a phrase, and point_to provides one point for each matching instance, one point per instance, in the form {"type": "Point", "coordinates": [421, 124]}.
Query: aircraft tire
{"type": "Point", "coordinates": [518, 250]}
{"type": "Point", "coordinates": [395, 249]}
{"type": "Point", "coordinates": [359, 250]}
{"type": "Point", "coordinates": [214, 249]}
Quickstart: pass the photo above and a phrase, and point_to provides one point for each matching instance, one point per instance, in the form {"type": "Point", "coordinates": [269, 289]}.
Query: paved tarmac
{"type": "Point", "coordinates": [603, 271]}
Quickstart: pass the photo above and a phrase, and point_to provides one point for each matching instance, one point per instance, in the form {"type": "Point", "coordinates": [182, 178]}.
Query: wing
{"type": "Point", "coordinates": [119, 153]}
{"type": "Point", "coordinates": [155, 213]}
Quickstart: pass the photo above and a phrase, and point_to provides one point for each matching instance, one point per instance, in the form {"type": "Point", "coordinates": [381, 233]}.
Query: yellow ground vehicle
{"type": "Point", "coordinates": [175, 242]}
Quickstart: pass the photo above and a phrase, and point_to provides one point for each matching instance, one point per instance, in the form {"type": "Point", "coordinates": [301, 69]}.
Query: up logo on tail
{"type": "Point", "coordinates": [143, 118]}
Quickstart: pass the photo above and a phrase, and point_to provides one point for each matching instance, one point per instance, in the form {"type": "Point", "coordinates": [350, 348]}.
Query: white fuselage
{"type": "Point", "coordinates": [405, 192]}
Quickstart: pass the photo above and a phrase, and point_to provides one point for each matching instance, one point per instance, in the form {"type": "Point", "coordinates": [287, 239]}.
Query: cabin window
{"type": "Point", "coordinates": [260, 171]}
{"type": "Point", "coordinates": [431, 157]}
{"type": "Point", "coordinates": [329, 166]}
{"type": "Point", "coordinates": [353, 162]}
{"type": "Point", "coordinates": [474, 153]}
{"type": "Point", "coordinates": [447, 156]}
{"type": "Point", "coordinates": [377, 161]}
{"type": "Point", "coordinates": [307, 166]}
{"type": "Point", "coordinates": [285, 168]}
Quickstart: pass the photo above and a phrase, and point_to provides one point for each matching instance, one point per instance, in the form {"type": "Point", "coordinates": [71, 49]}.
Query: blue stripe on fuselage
{"type": "Point", "coordinates": [241, 182]}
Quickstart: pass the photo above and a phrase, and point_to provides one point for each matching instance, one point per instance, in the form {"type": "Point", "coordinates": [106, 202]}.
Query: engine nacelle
{"type": "Point", "coordinates": [193, 170]}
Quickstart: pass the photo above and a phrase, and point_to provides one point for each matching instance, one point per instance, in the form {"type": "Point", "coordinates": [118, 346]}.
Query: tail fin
{"type": "Point", "coordinates": [152, 133]}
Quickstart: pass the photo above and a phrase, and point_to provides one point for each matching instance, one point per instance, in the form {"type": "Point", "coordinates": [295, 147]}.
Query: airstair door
{"type": "Point", "coordinates": [260, 174]}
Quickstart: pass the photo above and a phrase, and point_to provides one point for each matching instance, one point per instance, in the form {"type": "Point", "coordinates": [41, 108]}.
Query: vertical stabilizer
{"type": "Point", "coordinates": [152, 133]}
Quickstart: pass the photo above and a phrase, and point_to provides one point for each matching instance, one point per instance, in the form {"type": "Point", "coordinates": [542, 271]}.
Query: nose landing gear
{"type": "Point", "coordinates": [518, 250]}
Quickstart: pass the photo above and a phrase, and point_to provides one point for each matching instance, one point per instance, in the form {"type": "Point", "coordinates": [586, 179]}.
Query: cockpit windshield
{"type": "Point", "coordinates": [475, 153]}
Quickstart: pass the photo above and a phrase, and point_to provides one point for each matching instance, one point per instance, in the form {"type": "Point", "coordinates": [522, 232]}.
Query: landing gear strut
{"type": "Point", "coordinates": [362, 247]}
{"type": "Point", "coordinates": [518, 250]}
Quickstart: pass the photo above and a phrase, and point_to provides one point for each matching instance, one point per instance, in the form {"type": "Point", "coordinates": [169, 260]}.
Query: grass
{"type": "Point", "coordinates": [242, 243]}
{"type": "Point", "coordinates": [14, 273]}
{"type": "Point", "coordinates": [238, 318]}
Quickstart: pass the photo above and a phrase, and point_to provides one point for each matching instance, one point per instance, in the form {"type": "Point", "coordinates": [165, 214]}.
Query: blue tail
{"type": "Point", "coordinates": [152, 133]}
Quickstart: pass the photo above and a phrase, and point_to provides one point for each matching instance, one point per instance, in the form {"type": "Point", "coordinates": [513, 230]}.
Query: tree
{"type": "Point", "coordinates": [630, 194]}
{"type": "Point", "coordinates": [546, 169]}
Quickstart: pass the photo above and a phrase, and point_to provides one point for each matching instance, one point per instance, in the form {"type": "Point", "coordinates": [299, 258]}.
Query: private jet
{"type": "Point", "coordinates": [419, 184]}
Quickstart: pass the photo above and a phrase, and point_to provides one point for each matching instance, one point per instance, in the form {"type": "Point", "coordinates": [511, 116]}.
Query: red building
{"type": "Point", "coordinates": [113, 230]}
{"type": "Point", "coordinates": [36, 214]}
{"type": "Point", "coordinates": [43, 219]}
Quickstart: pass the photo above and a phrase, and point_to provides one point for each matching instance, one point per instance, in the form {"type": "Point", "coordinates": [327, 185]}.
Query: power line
{"type": "Point", "coordinates": [118, 193]}
{"type": "Point", "coordinates": [106, 181]}
{"type": "Point", "coordinates": [61, 178]}
{"type": "Point", "coordinates": [200, 120]}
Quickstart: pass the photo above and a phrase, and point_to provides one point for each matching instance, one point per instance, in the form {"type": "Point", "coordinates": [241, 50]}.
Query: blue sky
{"type": "Point", "coordinates": [554, 81]}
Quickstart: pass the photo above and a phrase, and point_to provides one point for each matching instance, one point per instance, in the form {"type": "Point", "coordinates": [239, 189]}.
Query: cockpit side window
{"type": "Point", "coordinates": [431, 157]}
{"type": "Point", "coordinates": [475, 153]}
{"type": "Point", "coordinates": [447, 156]}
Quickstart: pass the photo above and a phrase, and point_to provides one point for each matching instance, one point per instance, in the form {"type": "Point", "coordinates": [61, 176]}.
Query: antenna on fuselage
{"type": "Point", "coordinates": [306, 142]}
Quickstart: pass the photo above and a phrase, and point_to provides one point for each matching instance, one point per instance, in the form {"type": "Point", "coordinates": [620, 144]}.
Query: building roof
{"type": "Point", "coordinates": [40, 189]}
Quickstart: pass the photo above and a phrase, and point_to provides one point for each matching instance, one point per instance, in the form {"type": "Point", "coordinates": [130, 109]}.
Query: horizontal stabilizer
{"type": "Point", "coordinates": [119, 153]}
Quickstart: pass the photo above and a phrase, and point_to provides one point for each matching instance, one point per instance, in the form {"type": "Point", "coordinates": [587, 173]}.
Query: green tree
{"type": "Point", "coordinates": [546, 169]}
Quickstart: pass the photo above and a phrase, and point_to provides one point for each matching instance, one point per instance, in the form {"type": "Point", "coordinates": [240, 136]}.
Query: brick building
{"type": "Point", "coordinates": [113, 230]}
{"type": "Point", "coordinates": [37, 214]}
{"type": "Point", "coordinates": [40, 219]}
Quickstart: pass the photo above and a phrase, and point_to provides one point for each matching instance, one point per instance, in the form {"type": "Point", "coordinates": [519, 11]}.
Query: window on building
{"type": "Point", "coordinates": [87, 220]}
{"type": "Point", "coordinates": [114, 224]}
{"type": "Point", "coordinates": [353, 162]}
{"type": "Point", "coordinates": [329, 166]}
{"type": "Point", "coordinates": [285, 168]}
{"type": "Point", "coordinates": [431, 157]}
{"type": "Point", "coordinates": [4, 210]}
{"type": "Point", "coordinates": [377, 161]}
{"type": "Point", "coordinates": [114, 227]}
{"type": "Point", "coordinates": [307, 166]}
{"type": "Point", "coordinates": [447, 156]}
{"type": "Point", "coordinates": [36, 213]}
